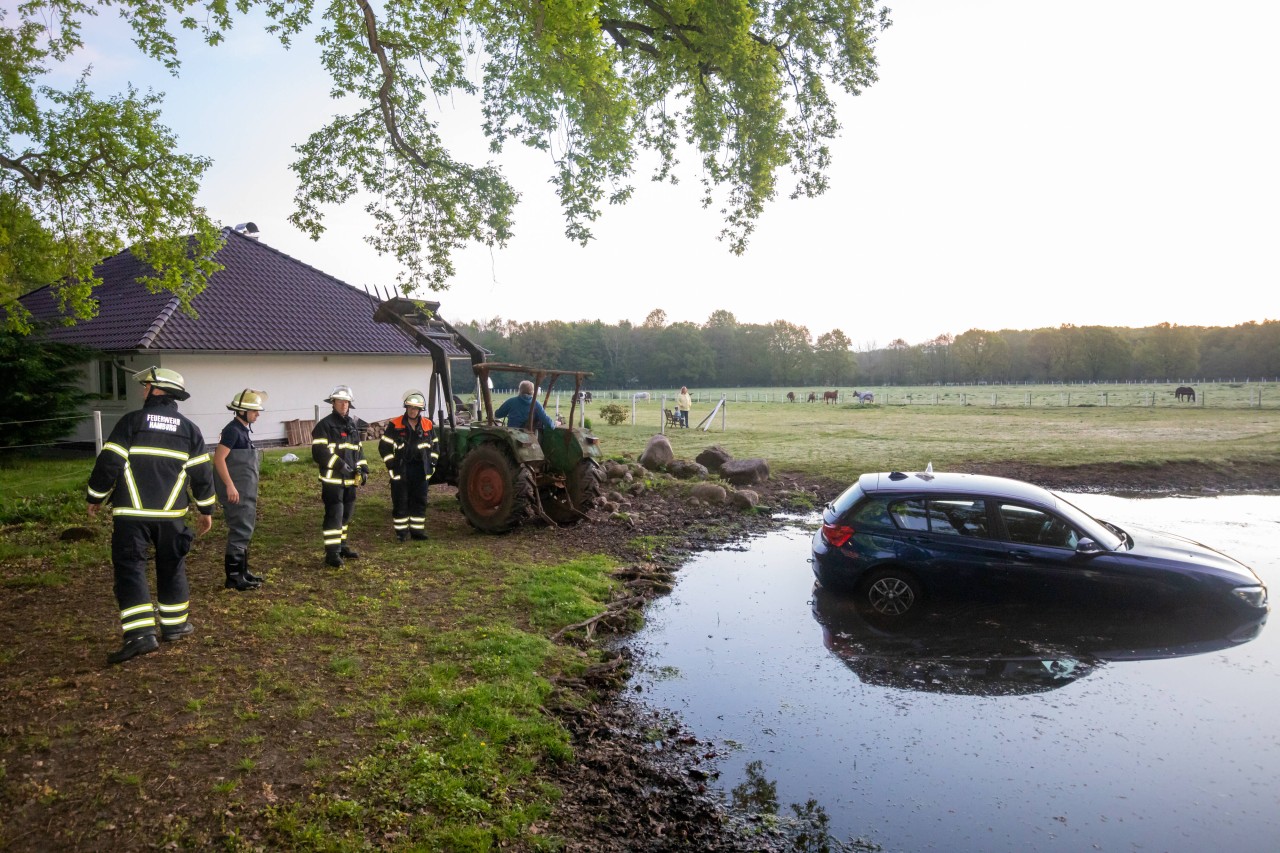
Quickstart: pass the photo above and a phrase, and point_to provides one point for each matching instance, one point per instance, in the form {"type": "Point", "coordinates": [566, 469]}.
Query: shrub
{"type": "Point", "coordinates": [613, 414]}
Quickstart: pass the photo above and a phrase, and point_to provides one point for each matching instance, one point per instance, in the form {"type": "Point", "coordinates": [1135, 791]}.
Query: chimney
{"type": "Point", "coordinates": [248, 229]}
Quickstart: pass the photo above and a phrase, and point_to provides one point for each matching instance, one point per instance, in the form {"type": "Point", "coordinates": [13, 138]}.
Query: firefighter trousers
{"type": "Point", "coordinates": [409, 499]}
{"type": "Point", "coordinates": [339, 504]}
{"type": "Point", "coordinates": [132, 540]}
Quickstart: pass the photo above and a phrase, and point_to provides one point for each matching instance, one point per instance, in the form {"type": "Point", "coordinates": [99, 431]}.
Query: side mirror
{"type": "Point", "coordinates": [1088, 546]}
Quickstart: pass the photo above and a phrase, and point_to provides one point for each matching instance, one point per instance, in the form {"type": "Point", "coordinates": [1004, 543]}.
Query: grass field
{"type": "Point", "coordinates": [1215, 395]}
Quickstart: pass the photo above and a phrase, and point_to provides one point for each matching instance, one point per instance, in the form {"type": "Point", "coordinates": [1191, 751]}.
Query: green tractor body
{"type": "Point", "coordinates": [505, 473]}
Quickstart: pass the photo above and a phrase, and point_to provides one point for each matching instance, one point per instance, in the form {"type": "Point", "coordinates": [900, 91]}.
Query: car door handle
{"type": "Point", "coordinates": [1020, 554]}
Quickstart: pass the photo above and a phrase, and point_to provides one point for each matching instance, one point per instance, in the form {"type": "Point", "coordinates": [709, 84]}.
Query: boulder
{"type": "Point", "coordinates": [745, 472]}
{"type": "Point", "coordinates": [743, 499]}
{"type": "Point", "coordinates": [657, 454]}
{"type": "Point", "coordinates": [685, 470]}
{"type": "Point", "coordinates": [712, 493]}
{"type": "Point", "coordinates": [615, 470]}
{"type": "Point", "coordinates": [713, 457]}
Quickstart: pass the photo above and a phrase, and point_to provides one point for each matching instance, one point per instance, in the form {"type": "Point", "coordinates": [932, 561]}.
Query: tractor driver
{"type": "Point", "coordinates": [519, 409]}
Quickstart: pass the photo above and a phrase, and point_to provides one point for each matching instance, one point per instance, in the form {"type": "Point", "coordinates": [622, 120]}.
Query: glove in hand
{"type": "Point", "coordinates": [364, 477]}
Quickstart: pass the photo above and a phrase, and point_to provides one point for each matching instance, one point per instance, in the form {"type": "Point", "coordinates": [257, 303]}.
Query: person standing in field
{"type": "Point", "coordinates": [235, 460]}
{"type": "Point", "coordinates": [152, 459]}
{"type": "Point", "coordinates": [410, 448]}
{"type": "Point", "coordinates": [683, 403]}
{"type": "Point", "coordinates": [335, 448]}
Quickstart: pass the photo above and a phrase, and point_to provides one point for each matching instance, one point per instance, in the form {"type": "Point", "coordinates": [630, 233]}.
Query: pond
{"type": "Point", "coordinates": [983, 727]}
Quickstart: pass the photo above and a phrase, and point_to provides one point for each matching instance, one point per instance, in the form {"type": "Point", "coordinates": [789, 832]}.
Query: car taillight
{"type": "Point", "coordinates": [836, 534]}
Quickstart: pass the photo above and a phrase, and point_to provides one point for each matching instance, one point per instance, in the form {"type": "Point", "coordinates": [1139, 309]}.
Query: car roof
{"type": "Point", "coordinates": [925, 483]}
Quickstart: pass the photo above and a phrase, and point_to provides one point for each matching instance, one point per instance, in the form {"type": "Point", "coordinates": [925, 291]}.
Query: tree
{"type": "Point", "coordinates": [789, 352]}
{"type": "Point", "coordinates": [43, 389]}
{"type": "Point", "coordinates": [981, 354]}
{"type": "Point", "coordinates": [1169, 352]}
{"type": "Point", "coordinates": [835, 361]}
{"type": "Point", "coordinates": [593, 85]}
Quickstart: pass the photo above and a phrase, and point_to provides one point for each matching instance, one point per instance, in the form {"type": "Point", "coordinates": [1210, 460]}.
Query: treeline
{"type": "Point", "coordinates": [724, 352]}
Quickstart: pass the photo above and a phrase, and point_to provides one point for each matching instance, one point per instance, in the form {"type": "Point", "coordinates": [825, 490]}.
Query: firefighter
{"type": "Point", "coordinates": [151, 459]}
{"type": "Point", "coordinates": [235, 461]}
{"type": "Point", "coordinates": [410, 447]}
{"type": "Point", "coordinates": [335, 447]}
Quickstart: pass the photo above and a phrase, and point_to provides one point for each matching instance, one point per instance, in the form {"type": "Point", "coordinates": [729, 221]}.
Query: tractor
{"type": "Point", "coordinates": [505, 474]}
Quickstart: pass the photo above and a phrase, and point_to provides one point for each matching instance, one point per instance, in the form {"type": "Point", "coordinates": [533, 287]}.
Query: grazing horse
{"type": "Point", "coordinates": [1185, 393]}
{"type": "Point", "coordinates": [864, 396]}
{"type": "Point", "coordinates": [791, 396]}
{"type": "Point", "coordinates": [813, 397]}
{"type": "Point", "coordinates": [831, 397]}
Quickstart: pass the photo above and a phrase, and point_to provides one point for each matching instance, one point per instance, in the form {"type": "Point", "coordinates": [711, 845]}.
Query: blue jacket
{"type": "Point", "coordinates": [516, 411]}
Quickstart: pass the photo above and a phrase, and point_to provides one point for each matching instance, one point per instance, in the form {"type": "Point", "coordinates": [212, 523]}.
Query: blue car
{"type": "Point", "coordinates": [895, 538]}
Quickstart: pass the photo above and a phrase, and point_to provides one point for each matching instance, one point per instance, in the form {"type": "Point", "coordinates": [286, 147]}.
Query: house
{"type": "Point", "coordinates": [266, 321]}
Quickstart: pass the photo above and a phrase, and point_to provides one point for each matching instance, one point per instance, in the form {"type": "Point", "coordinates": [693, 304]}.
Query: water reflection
{"type": "Point", "coordinates": [983, 649]}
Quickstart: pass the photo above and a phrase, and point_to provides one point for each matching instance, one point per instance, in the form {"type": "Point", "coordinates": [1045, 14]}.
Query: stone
{"type": "Point", "coordinates": [657, 454]}
{"type": "Point", "coordinates": [743, 499]}
{"type": "Point", "coordinates": [712, 493]}
{"type": "Point", "coordinates": [713, 457]}
{"type": "Point", "coordinates": [745, 472]}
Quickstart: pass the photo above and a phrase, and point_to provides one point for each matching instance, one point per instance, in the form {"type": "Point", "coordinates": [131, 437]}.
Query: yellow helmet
{"type": "Point", "coordinates": [415, 399]}
{"type": "Point", "coordinates": [248, 400]}
{"type": "Point", "coordinates": [159, 377]}
{"type": "Point", "coordinates": [341, 392]}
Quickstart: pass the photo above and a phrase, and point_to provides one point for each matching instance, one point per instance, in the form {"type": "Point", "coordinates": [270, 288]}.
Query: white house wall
{"type": "Point", "coordinates": [296, 385]}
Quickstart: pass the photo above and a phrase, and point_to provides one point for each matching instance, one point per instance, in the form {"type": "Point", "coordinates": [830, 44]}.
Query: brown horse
{"type": "Point", "coordinates": [813, 398]}
{"type": "Point", "coordinates": [791, 396]}
{"type": "Point", "coordinates": [1185, 392]}
{"type": "Point", "coordinates": [832, 397]}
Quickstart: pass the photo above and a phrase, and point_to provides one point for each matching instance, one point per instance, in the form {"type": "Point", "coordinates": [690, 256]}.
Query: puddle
{"type": "Point", "coordinates": [982, 726]}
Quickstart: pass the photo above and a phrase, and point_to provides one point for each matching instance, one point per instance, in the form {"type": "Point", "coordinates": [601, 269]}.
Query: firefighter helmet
{"type": "Point", "coordinates": [341, 392]}
{"type": "Point", "coordinates": [415, 399]}
{"type": "Point", "coordinates": [248, 400]}
{"type": "Point", "coordinates": [169, 380]}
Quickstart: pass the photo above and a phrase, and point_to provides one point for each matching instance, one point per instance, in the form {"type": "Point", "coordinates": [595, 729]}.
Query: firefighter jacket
{"type": "Point", "coordinates": [147, 464]}
{"type": "Point", "coordinates": [404, 442]}
{"type": "Point", "coordinates": [335, 447]}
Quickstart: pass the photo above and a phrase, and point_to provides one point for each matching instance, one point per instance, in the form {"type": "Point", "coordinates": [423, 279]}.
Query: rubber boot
{"type": "Point", "coordinates": [348, 552]}
{"type": "Point", "coordinates": [402, 536]}
{"type": "Point", "coordinates": [333, 556]}
{"type": "Point", "coordinates": [177, 632]}
{"type": "Point", "coordinates": [419, 534]}
{"type": "Point", "coordinates": [140, 645]}
{"type": "Point", "coordinates": [244, 570]}
{"type": "Point", "coordinates": [234, 565]}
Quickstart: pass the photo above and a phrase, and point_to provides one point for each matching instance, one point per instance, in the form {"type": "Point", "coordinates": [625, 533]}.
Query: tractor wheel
{"type": "Point", "coordinates": [585, 485]}
{"type": "Point", "coordinates": [494, 491]}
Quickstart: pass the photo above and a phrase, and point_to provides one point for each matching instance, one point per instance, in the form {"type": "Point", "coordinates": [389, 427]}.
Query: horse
{"type": "Point", "coordinates": [791, 396]}
{"type": "Point", "coordinates": [831, 397]}
{"type": "Point", "coordinates": [864, 396]}
{"type": "Point", "coordinates": [813, 397]}
{"type": "Point", "coordinates": [1185, 392]}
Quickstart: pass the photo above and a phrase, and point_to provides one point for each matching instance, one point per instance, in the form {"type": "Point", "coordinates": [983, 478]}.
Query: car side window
{"type": "Point", "coordinates": [910, 514]}
{"type": "Point", "coordinates": [958, 516]}
{"type": "Point", "coordinates": [1037, 527]}
{"type": "Point", "coordinates": [872, 513]}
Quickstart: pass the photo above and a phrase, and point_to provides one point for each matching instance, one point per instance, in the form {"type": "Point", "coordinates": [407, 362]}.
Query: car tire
{"type": "Point", "coordinates": [891, 592]}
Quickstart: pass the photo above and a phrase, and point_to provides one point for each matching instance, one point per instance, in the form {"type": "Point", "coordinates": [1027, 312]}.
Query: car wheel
{"type": "Point", "coordinates": [891, 592]}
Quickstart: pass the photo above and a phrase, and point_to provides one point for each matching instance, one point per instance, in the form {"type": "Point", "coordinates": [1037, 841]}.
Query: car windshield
{"type": "Point", "coordinates": [1099, 531]}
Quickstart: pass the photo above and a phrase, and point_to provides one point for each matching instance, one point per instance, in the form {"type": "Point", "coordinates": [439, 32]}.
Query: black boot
{"type": "Point", "coordinates": [177, 632]}
{"type": "Point", "coordinates": [419, 534]}
{"type": "Point", "coordinates": [134, 646]}
{"type": "Point", "coordinates": [234, 565]}
{"type": "Point", "coordinates": [333, 556]}
{"type": "Point", "coordinates": [348, 552]}
{"type": "Point", "coordinates": [244, 569]}
{"type": "Point", "coordinates": [402, 536]}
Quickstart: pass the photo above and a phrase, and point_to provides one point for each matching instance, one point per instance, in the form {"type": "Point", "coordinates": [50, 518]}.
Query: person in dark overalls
{"type": "Point", "coordinates": [152, 458]}
{"type": "Point", "coordinates": [235, 460]}
{"type": "Point", "coordinates": [335, 448]}
{"type": "Point", "coordinates": [410, 448]}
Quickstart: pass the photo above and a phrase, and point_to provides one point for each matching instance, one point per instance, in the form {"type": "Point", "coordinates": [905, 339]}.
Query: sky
{"type": "Point", "coordinates": [1019, 164]}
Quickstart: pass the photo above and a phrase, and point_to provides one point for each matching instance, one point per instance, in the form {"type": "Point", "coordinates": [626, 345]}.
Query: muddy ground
{"type": "Point", "coordinates": [640, 781]}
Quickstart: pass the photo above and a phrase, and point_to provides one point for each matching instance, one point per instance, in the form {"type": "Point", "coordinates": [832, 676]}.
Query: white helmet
{"type": "Point", "coordinates": [159, 377]}
{"type": "Point", "coordinates": [341, 392]}
{"type": "Point", "coordinates": [414, 398]}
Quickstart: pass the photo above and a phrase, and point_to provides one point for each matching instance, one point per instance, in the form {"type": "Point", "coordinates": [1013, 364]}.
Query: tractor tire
{"type": "Point", "coordinates": [494, 491]}
{"type": "Point", "coordinates": [585, 484]}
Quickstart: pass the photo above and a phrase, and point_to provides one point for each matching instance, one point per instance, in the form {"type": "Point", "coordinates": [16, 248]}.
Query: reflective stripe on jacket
{"type": "Point", "coordinates": [335, 448]}
{"type": "Point", "coordinates": [152, 458]}
{"type": "Point", "coordinates": [403, 441]}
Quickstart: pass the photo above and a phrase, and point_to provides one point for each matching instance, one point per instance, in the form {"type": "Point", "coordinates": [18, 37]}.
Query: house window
{"type": "Point", "coordinates": [111, 380]}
